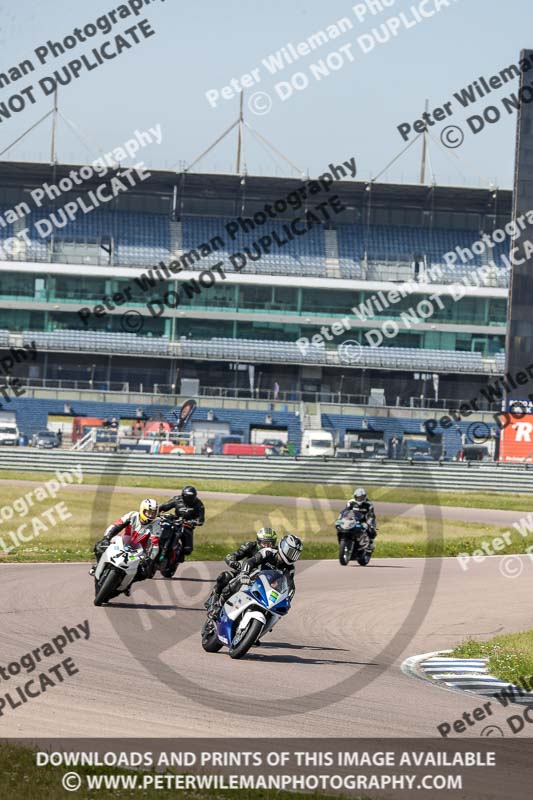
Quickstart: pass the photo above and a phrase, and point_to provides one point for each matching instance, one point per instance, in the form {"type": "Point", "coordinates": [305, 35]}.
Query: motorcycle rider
{"type": "Point", "coordinates": [282, 558]}
{"type": "Point", "coordinates": [187, 506]}
{"type": "Point", "coordinates": [265, 537]}
{"type": "Point", "coordinates": [144, 528]}
{"type": "Point", "coordinates": [360, 502]}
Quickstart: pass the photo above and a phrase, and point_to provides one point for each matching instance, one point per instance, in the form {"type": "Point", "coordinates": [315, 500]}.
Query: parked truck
{"type": "Point", "coordinates": [414, 447]}
{"type": "Point", "coordinates": [358, 445]}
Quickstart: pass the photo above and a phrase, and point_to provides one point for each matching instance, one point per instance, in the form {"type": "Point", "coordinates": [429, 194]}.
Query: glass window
{"type": "Point", "coordinates": [255, 296]}
{"type": "Point", "coordinates": [268, 330]}
{"type": "Point", "coordinates": [327, 301]}
{"type": "Point", "coordinates": [203, 328]}
{"type": "Point", "coordinates": [17, 285]}
{"type": "Point", "coordinates": [78, 287]}
{"type": "Point", "coordinates": [220, 295]}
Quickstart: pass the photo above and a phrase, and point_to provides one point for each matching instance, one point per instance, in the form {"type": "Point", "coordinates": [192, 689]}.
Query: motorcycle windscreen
{"type": "Point", "coordinates": [276, 580]}
{"type": "Point", "coordinates": [347, 521]}
{"type": "Point", "coordinates": [130, 543]}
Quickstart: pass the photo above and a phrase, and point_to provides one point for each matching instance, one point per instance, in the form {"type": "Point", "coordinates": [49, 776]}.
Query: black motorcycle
{"type": "Point", "coordinates": [171, 544]}
{"type": "Point", "coordinates": [354, 541]}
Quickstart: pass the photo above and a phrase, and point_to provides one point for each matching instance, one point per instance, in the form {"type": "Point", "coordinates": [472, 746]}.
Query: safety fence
{"type": "Point", "coordinates": [448, 476]}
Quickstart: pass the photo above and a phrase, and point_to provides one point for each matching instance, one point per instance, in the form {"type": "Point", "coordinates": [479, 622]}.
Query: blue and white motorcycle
{"type": "Point", "coordinates": [248, 614]}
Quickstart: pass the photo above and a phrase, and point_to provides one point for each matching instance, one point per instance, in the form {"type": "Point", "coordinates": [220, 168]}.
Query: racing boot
{"type": "Point", "coordinates": [214, 609]}
{"type": "Point", "coordinates": [210, 599]}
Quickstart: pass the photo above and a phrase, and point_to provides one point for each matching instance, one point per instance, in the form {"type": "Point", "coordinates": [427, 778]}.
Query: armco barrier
{"type": "Point", "coordinates": [452, 476]}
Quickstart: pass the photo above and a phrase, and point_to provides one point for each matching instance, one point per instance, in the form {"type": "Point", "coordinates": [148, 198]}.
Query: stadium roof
{"type": "Point", "coordinates": [230, 189]}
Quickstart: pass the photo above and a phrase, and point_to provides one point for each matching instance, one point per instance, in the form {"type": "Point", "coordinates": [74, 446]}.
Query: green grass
{"type": "Point", "coordinates": [228, 524]}
{"type": "Point", "coordinates": [510, 656]}
{"type": "Point", "coordinates": [502, 501]}
{"type": "Point", "coordinates": [21, 779]}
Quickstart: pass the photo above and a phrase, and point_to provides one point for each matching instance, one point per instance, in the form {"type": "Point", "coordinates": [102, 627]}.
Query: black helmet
{"type": "Point", "coordinates": [266, 537]}
{"type": "Point", "coordinates": [189, 495]}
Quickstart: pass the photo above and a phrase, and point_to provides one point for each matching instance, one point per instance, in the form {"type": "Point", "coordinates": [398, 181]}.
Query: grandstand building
{"type": "Point", "coordinates": [148, 289]}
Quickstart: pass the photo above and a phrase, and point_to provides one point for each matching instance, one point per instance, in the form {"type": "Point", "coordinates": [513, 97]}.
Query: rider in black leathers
{"type": "Point", "coordinates": [265, 537]}
{"type": "Point", "coordinates": [186, 506]}
{"type": "Point", "coordinates": [282, 558]}
{"type": "Point", "coordinates": [360, 502]}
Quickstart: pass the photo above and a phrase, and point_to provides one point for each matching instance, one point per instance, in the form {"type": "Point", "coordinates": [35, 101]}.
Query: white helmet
{"type": "Point", "coordinates": [360, 495]}
{"type": "Point", "coordinates": [289, 548]}
{"type": "Point", "coordinates": [148, 511]}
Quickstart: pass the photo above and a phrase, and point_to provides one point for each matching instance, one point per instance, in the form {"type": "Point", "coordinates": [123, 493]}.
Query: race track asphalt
{"type": "Point", "coordinates": [331, 668]}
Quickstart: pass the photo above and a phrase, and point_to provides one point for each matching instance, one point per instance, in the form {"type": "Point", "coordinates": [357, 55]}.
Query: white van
{"type": "Point", "coordinates": [317, 443]}
{"type": "Point", "coordinates": [9, 432]}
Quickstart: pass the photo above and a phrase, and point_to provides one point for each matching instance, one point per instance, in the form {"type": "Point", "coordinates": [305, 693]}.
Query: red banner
{"type": "Point", "coordinates": [516, 444]}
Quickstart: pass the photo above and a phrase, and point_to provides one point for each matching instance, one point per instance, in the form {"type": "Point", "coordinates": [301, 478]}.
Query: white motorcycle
{"type": "Point", "coordinates": [117, 568]}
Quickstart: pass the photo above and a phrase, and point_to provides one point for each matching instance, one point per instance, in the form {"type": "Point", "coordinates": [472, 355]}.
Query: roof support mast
{"type": "Point", "coordinates": [240, 137]}
{"type": "Point", "coordinates": [241, 123]}
{"type": "Point", "coordinates": [53, 154]}
{"type": "Point", "coordinates": [424, 151]}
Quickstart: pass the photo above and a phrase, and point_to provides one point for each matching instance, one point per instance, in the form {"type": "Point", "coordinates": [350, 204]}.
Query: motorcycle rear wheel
{"type": "Point", "coordinates": [345, 551]}
{"type": "Point", "coordinates": [364, 559]}
{"type": "Point", "coordinates": [107, 587]}
{"type": "Point", "coordinates": [252, 634]}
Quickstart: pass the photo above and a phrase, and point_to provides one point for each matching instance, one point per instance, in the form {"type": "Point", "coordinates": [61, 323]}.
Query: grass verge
{"type": "Point", "coordinates": [47, 537]}
{"type": "Point", "coordinates": [510, 656]}
{"type": "Point", "coordinates": [21, 779]}
{"type": "Point", "coordinates": [503, 501]}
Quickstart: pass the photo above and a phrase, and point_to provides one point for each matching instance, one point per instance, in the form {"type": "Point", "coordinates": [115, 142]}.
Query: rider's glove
{"type": "Point", "coordinates": [245, 579]}
{"type": "Point", "coordinates": [101, 546]}
{"type": "Point", "coordinates": [236, 565]}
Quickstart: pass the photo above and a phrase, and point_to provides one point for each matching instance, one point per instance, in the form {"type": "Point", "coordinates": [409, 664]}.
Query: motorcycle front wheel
{"type": "Point", "coordinates": [169, 572]}
{"type": "Point", "coordinates": [210, 641]}
{"type": "Point", "coordinates": [251, 635]}
{"type": "Point", "coordinates": [172, 562]}
{"type": "Point", "coordinates": [345, 551]}
{"type": "Point", "coordinates": [106, 587]}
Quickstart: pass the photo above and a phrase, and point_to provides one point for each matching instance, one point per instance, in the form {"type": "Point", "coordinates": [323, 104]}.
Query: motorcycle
{"type": "Point", "coordinates": [117, 568]}
{"type": "Point", "coordinates": [248, 614]}
{"type": "Point", "coordinates": [171, 544]}
{"type": "Point", "coordinates": [354, 541]}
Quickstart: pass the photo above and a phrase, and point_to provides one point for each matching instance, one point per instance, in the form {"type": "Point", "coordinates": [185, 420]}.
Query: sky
{"type": "Point", "coordinates": [376, 83]}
